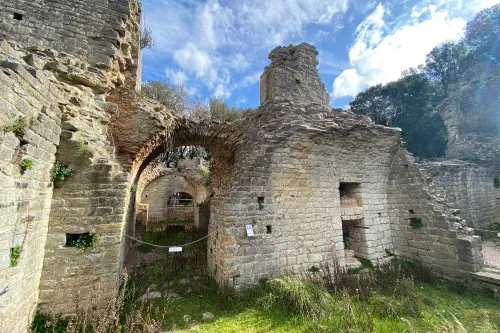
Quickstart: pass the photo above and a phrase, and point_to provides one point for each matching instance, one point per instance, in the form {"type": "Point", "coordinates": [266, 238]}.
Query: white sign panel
{"type": "Point", "coordinates": [175, 249]}
{"type": "Point", "coordinates": [250, 230]}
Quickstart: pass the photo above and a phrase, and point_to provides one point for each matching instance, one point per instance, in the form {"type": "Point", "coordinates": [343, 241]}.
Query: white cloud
{"type": "Point", "coordinates": [239, 62]}
{"type": "Point", "coordinates": [206, 39]}
{"type": "Point", "coordinates": [380, 57]}
{"type": "Point", "coordinates": [176, 76]}
{"type": "Point", "coordinates": [196, 61]}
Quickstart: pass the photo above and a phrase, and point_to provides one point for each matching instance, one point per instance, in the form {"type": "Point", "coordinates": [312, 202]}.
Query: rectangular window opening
{"type": "Point", "coordinates": [85, 240]}
{"type": "Point", "coordinates": [260, 200]}
{"type": "Point", "coordinates": [269, 229]}
{"type": "Point", "coordinates": [18, 16]}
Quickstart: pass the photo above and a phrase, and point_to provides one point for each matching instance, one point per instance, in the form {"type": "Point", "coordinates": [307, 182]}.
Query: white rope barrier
{"type": "Point", "coordinates": [168, 246]}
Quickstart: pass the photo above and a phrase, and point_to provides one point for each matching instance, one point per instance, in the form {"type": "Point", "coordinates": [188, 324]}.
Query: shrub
{"type": "Point", "coordinates": [416, 223]}
{"type": "Point", "coordinates": [147, 41]}
{"type": "Point", "coordinates": [83, 148]}
{"type": "Point", "coordinates": [60, 170]}
{"type": "Point", "coordinates": [297, 295]}
{"type": "Point", "coordinates": [26, 164]}
{"type": "Point", "coordinates": [15, 253]}
{"type": "Point", "coordinates": [43, 323]}
{"type": "Point", "coordinates": [18, 127]}
{"type": "Point", "coordinates": [133, 188]}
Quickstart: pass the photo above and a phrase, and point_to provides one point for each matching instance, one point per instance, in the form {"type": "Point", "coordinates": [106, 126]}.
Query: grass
{"type": "Point", "coordinates": [397, 297]}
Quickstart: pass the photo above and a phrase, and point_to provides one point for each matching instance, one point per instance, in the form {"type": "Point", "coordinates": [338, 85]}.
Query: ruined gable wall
{"type": "Point", "coordinates": [297, 170]}
{"type": "Point", "coordinates": [24, 199]}
{"type": "Point", "coordinates": [443, 243]}
{"type": "Point", "coordinates": [469, 188]}
{"type": "Point", "coordinates": [292, 157]}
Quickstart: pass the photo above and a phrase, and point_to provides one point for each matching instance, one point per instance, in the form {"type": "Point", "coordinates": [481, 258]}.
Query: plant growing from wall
{"type": "Point", "coordinates": [15, 253]}
{"type": "Point", "coordinates": [59, 171]}
{"type": "Point", "coordinates": [25, 165]}
{"type": "Point", "coordinates": [83, 148]}
{"type": "Point", "coordinates": [133, 188]}
{"type": "Point", "coordinates": [416, 222]}
{"type": "Point", "coordinates": [18, 127]}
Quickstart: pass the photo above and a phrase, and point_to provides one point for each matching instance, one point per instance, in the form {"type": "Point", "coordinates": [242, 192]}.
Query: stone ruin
{"type": "Point", "coordinates": [315, 185]}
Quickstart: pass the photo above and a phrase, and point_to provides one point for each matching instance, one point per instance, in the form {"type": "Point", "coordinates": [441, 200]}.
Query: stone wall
{"type": "Point", "coordinates": [468, 187]}
{"type": "Point", "coordinates": [471, 115]}
{"type": "Point", "coordinates": [292, 75]}
{"type": "Point", "coordinates": [157, 183]}
{"type": "Point", "coordinates": [64, 92]}
{"type": "Point", "coordinates": [25, 198]}
{"type": "Point", "coordinates": [297, 174]}
{"type": "Point", "coordinates": [293, 157]}
{"type": "Point", "coordinates": [99, 32]}
{"type": "Point", "coordinates": [157, 193]}
{"type": "Point", "coordinates": [443, 242]}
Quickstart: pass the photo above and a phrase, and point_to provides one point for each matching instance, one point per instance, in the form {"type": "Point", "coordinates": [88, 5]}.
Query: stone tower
{"type": "Point", "coordinates": [292, 76]}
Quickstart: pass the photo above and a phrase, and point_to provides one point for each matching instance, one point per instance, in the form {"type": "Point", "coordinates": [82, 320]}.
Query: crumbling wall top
{"type": "Point", "coordinates": [292, 75]}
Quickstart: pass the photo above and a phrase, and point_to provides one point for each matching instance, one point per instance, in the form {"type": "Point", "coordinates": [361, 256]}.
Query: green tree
{"type": "Point", "coordinates": [173, 96]}
{"type": "Point", "coordinates": [482, 34]}
{"type": "Point", "coordinates": [220, 110]}
{"type": "Point", "coordinates": [444, 63]}
{"type": "Point", "coordinates": [408, 103]}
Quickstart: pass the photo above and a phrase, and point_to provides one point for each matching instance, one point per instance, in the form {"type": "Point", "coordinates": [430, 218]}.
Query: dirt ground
{"type": "Point", "coordinates": [136, 257]}
{"type": "Point", "coordinates": [491, 252]}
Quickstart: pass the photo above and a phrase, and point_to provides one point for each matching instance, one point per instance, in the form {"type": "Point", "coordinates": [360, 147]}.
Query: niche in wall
{"type": "Point", "coordinates": [350, 195]}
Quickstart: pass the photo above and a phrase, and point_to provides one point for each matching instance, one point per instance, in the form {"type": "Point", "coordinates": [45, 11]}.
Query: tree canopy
{"type": "Point", "coordinates": [482, 35]}
{"type": "Point", "coordinates": [408, 103]}
{"type": "Point", "coordinates": [411, 102]}
{"type": "Point", "coordinates": [177, 97]}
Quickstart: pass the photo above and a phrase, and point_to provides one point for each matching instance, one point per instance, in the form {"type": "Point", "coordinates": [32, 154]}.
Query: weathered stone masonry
{"type": "Point", "coordinates": [25, 200]}
{"type": "Point", "coordinates": [311, 182]}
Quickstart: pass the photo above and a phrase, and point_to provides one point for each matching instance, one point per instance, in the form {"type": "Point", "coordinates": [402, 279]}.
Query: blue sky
{"type": "Point", "coordinates": [219, 47]}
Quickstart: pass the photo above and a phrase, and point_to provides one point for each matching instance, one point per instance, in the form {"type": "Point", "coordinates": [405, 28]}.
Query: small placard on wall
{"type": "Point", "coordinates": [249, 230]}
{"type": "Point", "coordinates": [175, 249]}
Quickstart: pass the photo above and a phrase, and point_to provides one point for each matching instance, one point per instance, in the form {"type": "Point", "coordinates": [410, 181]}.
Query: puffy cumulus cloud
{"type": "Point", "coordinates": [377, 57]}
{"type": "Point", "coordinates": [380, 51]}
{"type": "Point", "coordinates": [206, 39]}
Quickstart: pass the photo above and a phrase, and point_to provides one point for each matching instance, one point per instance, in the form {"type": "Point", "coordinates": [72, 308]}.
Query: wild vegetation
{"type": "Point", "coordinates": [412, 102]}
{"type": "Point", "coordinates": [399, 296]}
{"type": "Point", "coordinates": [178, 98]}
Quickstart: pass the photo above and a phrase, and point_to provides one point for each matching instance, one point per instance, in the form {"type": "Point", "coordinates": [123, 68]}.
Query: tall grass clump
{"type": "Point", "coordinates": [94, 316]}
{"type": "Point", "coordinates": [298, 295]}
